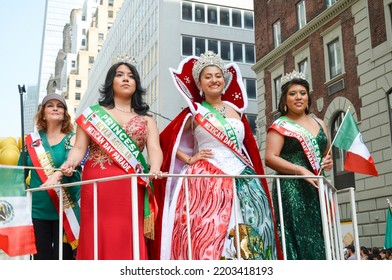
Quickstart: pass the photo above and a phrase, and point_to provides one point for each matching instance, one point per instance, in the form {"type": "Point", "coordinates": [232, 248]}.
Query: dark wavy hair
{"type": "Point", "coordinates": [285, 88]}
{"type": "Point", "coordinates": [107, 94]}
{"type": "Point", "coordinates": [66, 126]}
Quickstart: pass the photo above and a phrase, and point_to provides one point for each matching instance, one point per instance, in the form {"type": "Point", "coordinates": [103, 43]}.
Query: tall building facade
{"type": "Point", "coordinates": [160, 33]}
{"type": "Point", "coordinates": [343, 47]}
{"type": "Point", "coordinates": [57, 14]}
{"type": "Point", "coordinates": [30, 108]}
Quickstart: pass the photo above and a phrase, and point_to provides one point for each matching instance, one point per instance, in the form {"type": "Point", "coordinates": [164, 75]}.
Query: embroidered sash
{"type": "Point", "coordinates": [309, 144]}
{"type": "Point", "coordinates": [43, 158]}
{"type": "Point", "coordinates": [209, 119]}
{"type": "Point", "coordinates": [120, 147]}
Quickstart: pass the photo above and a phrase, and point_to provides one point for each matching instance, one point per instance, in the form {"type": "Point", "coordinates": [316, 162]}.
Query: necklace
{"type": "Point", "coordinates": [222, 111]}
{"type": "Point", "coordinates": [123, 110]}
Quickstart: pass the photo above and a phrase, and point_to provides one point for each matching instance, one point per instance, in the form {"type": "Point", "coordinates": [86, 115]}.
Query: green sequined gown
{"type": "Point", "coordinates": [301, 207]}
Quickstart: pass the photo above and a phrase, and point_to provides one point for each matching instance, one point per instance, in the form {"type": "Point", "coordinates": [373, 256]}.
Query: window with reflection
{"type": "Point", "coordinates": [199, 13]}
{"type": "Point", "coordinates": [186, 11]}
{"type": "Point", "coordinates": [237, 52]}
{"type": "Point", "coordinates": [334, 58]}
{"type": "Point", "coordinates": [224, 16]}
{"type": "Point", "coordinates": [200, 46]}
{"type": "Point", "coordinates": [276, 30]}
{"type": "Point", "coordinates": [225, 51]}
{"type": "Point", "coordinates": [236, 18]}
{"type": "Point", "coordinates": [303, 68]}
{"type": "Point", "coordinates": [248, 20]}
{"type": "Point", "coordinates": [301, 14]}
{"type": "Point", "coordinates": [249, 53]}
{"type": "Point", "coordinates": [250, 85]}
{"type": "Point", "coordinates": [252, 122]}
{"type": "Point", "coordinates": [187, 46]}
{"type": "Point", "coordinates": [213, 46]}
{"type": "Point", "coordinates": [212, 15]}
{"type": "Point", "coordinates": [277, 92]}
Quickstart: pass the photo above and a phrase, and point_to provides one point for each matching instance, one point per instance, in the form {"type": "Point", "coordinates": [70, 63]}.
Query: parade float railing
{"type": "Point", "coordinates": [329, 207]}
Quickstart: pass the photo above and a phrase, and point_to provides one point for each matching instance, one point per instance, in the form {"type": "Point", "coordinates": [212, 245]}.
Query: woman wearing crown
{"type": "Point", "coordinates": [213, 137]}
{"type": "Point", "coordinates": [116, 131]}
{"type": "Point", "coordinates": [297, 144]}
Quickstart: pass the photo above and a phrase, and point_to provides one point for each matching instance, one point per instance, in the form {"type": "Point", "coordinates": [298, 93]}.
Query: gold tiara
{"type": "Point", "coordinates": [291, 76]}
{"type": "Point", "coordinates": [124, 58]}
{"type": "Point", "coordinates": [209, 58]}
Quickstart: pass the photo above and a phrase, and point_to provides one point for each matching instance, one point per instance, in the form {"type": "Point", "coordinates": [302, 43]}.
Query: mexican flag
{"type": "Point", "coordinates": [16, 227]}
{"type": "Point", "coordinates": [358, 158]}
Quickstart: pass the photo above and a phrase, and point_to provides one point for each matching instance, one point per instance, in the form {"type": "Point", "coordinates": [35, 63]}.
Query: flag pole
{"type": "Point", "coordinates": [333, 141]}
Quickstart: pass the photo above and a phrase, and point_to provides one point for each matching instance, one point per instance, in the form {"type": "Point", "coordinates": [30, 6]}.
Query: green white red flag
{"type": "Point", "coordinates": [349, 138]}
{"type": "Point", "coordinates": [16, 228]}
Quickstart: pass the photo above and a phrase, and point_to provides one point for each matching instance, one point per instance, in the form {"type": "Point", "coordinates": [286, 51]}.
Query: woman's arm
{"type": "Point", "coordinates": [77, 152]}
{"type": "Point", "coordinates": [273, 159]}
{"type": "Point", "coordinates": [155, 155]}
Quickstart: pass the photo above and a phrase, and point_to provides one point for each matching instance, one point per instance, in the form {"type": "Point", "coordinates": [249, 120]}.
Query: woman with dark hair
{"type": "Point", "coordinates": [47, 149]}
{"type": "Point", "coordinates": [213, 137]}
{"type": "Point", "coordinates": [116, 131]}
{"type": "Point", "coordinates": [297, 144]}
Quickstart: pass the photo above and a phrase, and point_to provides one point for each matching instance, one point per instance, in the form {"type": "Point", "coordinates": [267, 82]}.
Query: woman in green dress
{"type": "Point", "coordinates": [297, 144]}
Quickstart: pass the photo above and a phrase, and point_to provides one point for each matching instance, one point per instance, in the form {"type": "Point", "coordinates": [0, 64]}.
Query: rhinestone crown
{"type": "Point", "coordinates": [124, 58]}
{"type": "Point", "coordinates": [209, 58]}
{"type": "Point", "coordinates": [293, 75]}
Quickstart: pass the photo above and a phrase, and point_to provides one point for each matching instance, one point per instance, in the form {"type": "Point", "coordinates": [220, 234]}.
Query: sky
{"type": "Point", "coordinates": [21, 28]}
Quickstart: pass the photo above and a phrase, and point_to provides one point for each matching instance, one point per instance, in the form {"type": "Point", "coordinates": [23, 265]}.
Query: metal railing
{"type": "Point", "coordinates": [329, 207]}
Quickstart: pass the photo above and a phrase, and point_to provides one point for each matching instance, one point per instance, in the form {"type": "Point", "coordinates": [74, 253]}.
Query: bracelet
{"type": "Point", "coordinates": [189, 160]}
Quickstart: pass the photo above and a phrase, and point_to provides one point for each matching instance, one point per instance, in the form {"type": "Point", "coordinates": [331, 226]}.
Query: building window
{"type": "Point", "coordinates": [249, 53]}
{"type": "Point", "coordinates": [236, 18]}
{"type": "Point", "coordinates": [224, 16]}
{"type": "Point", "coordinates": [200, 46]}
{"type": "Point", "coordinates": [213, 45]}
{"type": "Point", "coordinates": [187, 46]}
{"type": "Point", "coordinates": [333, 55]}
{"type": "Point", "coordinates": [83, 42]}
{"type": "Point", "coordinates": [342, 178]}
{"type": "Point", "coordinates": [83, 31]}
{"type": "Point", "coordinates": [199, 13]}
{"type": "Point", "coordinates": [212, 15]}
{"type": "Point", "coordinates": [301, 14]}
{"type": "Point", "coordinates": [78, 83]}
{"type": "Point", "coordinates": [248, 20]}
{"type": "Point", "coordinates": [303, 68]}
{"type": "Point", "coordinates": [225, 51]}
{"type": "Point", "coordinates": [250, 85]}
{"type": "Point", "coordinates": [237, 52]}
{"type": "Point", "coordinates": [186, 11]}
{"type": "Point", "coordinates": [110, 2]}
{"type": "Point", "coordinates": [277, 38]}
{"type": "Point", "coordinates": [91, 59]}
{"type": "Point", "coordinates": [276, 92]}
{"type": "Point", "coordinates": [110, 14]}
{"type": "Point", "coordinates": [100, 36]}
{"type": "Point", "coordinates": [77, 96]}
{"type": "Point", "coordinates": [73, 63]}
{"type": "Point", "coordinates": [330, 3]}
{"type": "Point", "coordinates": [252, 122]}
{"type": "Point", "coordinates": [334, 59]}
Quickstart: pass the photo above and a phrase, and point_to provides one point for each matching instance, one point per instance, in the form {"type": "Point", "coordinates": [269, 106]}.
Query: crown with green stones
{"type": "Point", "coordinates": [124, 58]}
{"type": "Point", "coordinates": [209, 58]}
{"type": "Point", "coordinates": [291, 76]}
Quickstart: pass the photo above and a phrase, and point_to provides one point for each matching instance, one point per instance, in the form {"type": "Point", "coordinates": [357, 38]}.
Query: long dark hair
{"type": "Point", "coordinates": [285, 89]}
{"type": "Point", "coordinates": [107, 94]}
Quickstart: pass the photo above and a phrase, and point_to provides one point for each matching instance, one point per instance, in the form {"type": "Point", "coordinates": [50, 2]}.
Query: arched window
{"type": "Point", "coordinates": [342, 179]}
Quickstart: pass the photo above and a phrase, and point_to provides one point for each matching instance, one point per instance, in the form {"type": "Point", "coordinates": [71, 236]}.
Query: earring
{"type": "Point", "coordinates": [201, 92]}
{"type": "Point", "coordinates": [223, 92]}
{"type": "Point", "coordinates": [285, 109]}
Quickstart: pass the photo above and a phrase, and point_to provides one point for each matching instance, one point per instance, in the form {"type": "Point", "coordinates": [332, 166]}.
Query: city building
{"type": "Point", "coordinates": [30, 106]}
{"type": "Point", "coordinates": [343, 47]}
{"type": "Point", "coordinates": [57, 14]}
{"type": "Point", "coordinates": [160, 33]}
